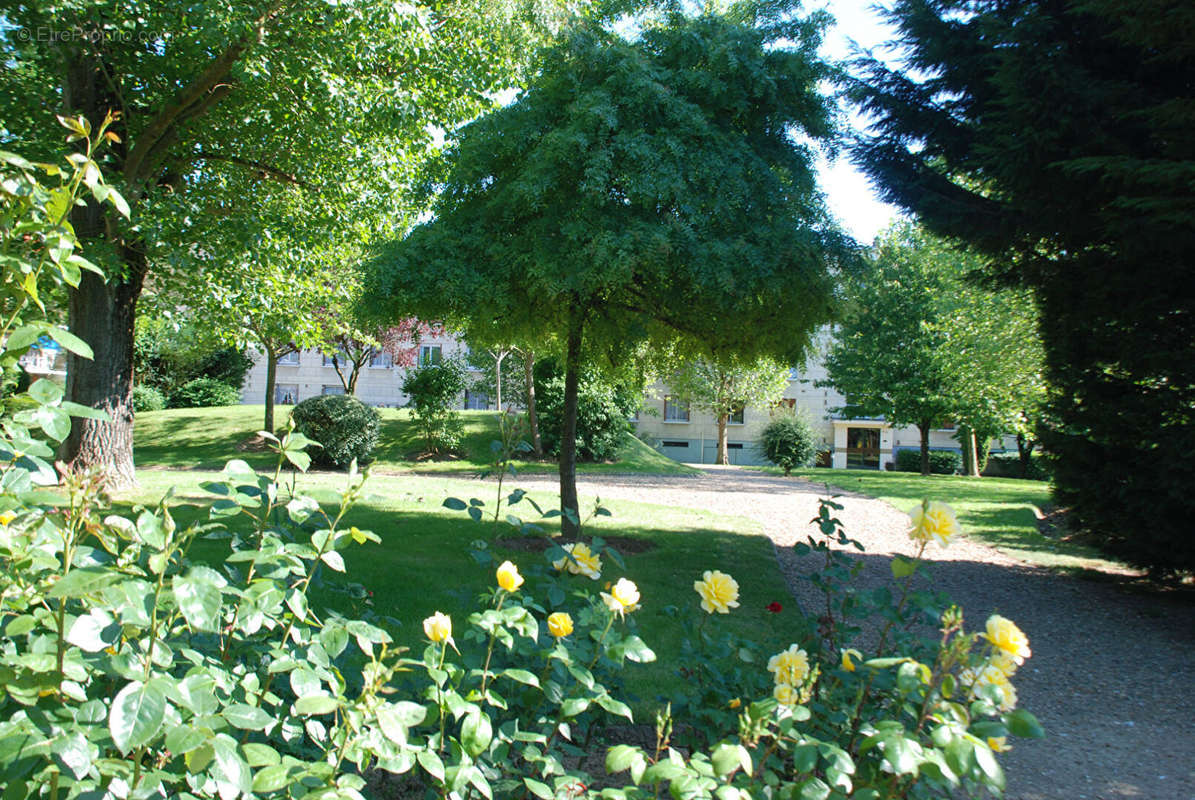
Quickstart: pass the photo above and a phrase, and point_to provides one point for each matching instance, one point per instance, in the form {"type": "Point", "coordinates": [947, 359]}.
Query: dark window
{"type": "Point", "coordinates": [676, 444]}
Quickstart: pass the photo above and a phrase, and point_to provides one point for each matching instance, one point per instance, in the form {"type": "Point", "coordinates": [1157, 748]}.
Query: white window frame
{"type": "Point", "coordinates": [426, 352]}
{"type": "Point", "coordinates": [742, 417]}
{"type": "Point", "coordinates": [291, 359]}
{"type": "Point", "coordinates": [671, 403]}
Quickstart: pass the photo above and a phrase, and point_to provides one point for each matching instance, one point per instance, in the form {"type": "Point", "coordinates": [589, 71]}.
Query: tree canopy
{"type": "Point", "coordinates": [650, 190]}
{"type": "Point", "coordinates": [1055, 137]}
{"type": "Point", "coordinates": [922, 344]}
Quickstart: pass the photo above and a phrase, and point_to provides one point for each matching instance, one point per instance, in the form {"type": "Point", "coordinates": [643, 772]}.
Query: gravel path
{"type": "Point", "coordinates": [1112, 675]}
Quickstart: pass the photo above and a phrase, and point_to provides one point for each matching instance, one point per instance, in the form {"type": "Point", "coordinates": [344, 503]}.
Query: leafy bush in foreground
{"type": "Point", "coordinates": [147, 398]}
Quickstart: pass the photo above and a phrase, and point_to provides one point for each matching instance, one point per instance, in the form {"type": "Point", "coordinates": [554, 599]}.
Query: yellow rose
{"type": "Point", "coordinates": [1008, 638]}
{"type": "Point", "coordinates": [509, 577]}
{"type": "Point", "coordinates": [786, 695]}
{"type": "Point", "coordinates": [790, 666]}
{"type": "Point", "coordinates": [580, 561]}
{"type": "Point", "coordinates": [719, 592]}
{"type": "Point", "coordinates": [7, 517]}
{"type": "Point", "coordinates": [735, 703]}
{"type": "Point", "coordinates": [989, 675]}
{"type": "Point", "coordinates": [847, 664]}
{"type": "Point", "coordinates": [438, 627]}
{"type": "Point", "coordinates": [623, 597]}
{"type": "Point", "coordinates": [997, 744]}
{"type": "Point", "coordinates": [1003, 661]}
{"type": "Point", "coordinates": [933, 520]}
{"type": "Point", "coordinates": [560, 624]}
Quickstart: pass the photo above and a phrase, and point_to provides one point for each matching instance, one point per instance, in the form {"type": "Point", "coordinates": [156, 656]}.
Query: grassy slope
{"type": "Point", "coordinates": [205, 438]}
{"type": "Point", "coordinates": [423, 563]}
{"type": "Point", "coordinates": [999, 511]}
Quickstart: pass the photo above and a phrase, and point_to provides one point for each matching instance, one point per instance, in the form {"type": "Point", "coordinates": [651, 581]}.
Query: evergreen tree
{"type": "Point", "coordinates": [1056, 138]}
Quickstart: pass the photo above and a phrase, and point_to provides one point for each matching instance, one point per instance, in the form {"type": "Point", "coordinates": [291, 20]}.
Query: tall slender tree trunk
{"type": "Point", "coordinates": [923, 428]}
{"type": "Point", "coordinates": [537, 445]}
{"type": "Point", "coordinates": [570, 507]}
{"type": "Point", "coordinates": [970, 453]}
{"type": "Point", "coordinates": [271, 380]}
{"type": "Point", "coordinates": [1024, 453]}
{"type": "Point", "coordinates": [101, 313]}
{"type": "Point", "coordinates": [723, 449]}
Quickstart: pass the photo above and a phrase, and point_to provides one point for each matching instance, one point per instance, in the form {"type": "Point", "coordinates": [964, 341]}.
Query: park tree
{"type": "Point", "coordinates": [648, 190]}
{"type": "Point", "coordinates": [353, 346]}
{"type": "Point", "coordinates": [1055, 138]}
{"type": "Point", "coordinates": [223, 109]}
{"type": "Point", "coordinates": [922, 343]}
{"type": "Point", "coordinates": [726, 386]}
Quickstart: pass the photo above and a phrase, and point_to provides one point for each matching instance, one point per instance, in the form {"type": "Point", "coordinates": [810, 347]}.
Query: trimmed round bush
{"type": "Point", "coordinates": [345, 428]}
{"type": "Point", "coordinates": [788, 442]}
{"type": "Point", "coordinates": [941, 462]}
{"type": "Point", "coordinates": [147, 398]}
{"type": "Point", "coordinates": [203, 393]}
{"type": "Point", "coordinates": [603, 409]}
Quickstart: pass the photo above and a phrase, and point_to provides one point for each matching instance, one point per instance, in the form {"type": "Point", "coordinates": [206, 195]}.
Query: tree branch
{"type": "Point", "coordinates": [265, 170]}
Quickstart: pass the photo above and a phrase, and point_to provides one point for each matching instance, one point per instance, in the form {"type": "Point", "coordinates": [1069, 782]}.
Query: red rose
{"type": "Point", "coordinates": [775, 607]}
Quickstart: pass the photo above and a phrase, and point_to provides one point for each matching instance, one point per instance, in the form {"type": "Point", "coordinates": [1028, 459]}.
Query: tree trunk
{"type": "Point", "coordinates": [723, 450]}
{"type": "Point", "coordinates": [271, 380]}
{"type": "Point", "coordinates": [354, 375]}
{"type": "Point", "coordinates": [537, 446]}
{"type": "Point", "coordinates": [101, 314]}
{"type": "Point", "coordinates": [970, 454]}
{"type": "Point", "coordinates": [923, 428]}
{"type": "Point", "coordinates": [1024, 453]}
{"type": "Point", "coordinates": [499, 355]}
{"type": "Point", "coordinates": [569, 504]}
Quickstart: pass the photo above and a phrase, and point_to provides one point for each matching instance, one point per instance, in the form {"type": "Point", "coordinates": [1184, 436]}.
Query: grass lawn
{"type": "Point", "coordinates": [999, 511]}
{"type": "Point", "coordinates": [423, 563]}
{"type": "Point", "coordinates": [205, 438]}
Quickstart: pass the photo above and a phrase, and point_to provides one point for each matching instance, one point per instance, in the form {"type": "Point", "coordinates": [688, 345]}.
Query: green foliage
{"type": "Point", "coordinates": [604, 406]}
{"type": "Point", "coordinates": [345, 429]}
{"type": "Point", "coordinates": [789, 442]}
{"type": "Point", "coordinates": [435, 390]}
{"type": "Point", "coordinates": [1010, 465]}
{"type": "Point", "coordinates": [166, 357]}
{"type": "Point", "coordinates": [204, 392]}
{"type": "Point", "coordinates": [1096, 221]}
{"type": "Point", "coordinates": [941, 462]}
{"type": "Point", "coordinates": [148, 398]}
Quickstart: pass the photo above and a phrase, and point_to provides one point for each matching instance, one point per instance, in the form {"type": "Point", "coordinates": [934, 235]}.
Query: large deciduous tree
{"type": "Point", "coordinates": [726, 386]}
{"type": "Point", "coordinates": [223, 108]}
{"type": "Point", "coordinates": [923, 343]}
{"type": "Point", "coordinates": [653, 189]}
{"type": "Point", "coordinates": [1056, 137]}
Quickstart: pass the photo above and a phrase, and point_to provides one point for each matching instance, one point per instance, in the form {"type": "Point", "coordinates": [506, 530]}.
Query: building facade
{"type": "Point", "coordinates": [664, 421]}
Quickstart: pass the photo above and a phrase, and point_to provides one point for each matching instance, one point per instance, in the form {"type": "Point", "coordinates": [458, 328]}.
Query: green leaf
{"type": "Point", "coordinates": [391, 725]}
{"type": "Point", "coordinates": [431, 764]}
{"type": "Point", "coordinates": [45, 391]}
{"type": "Point", "coordinates": [574, 706]}
{"type": "Point", "coordinates": [315, 704]}
{"type": "Point", "coordinates": [83, 581]}
{"type": "Point", "coordinates": [409, 714]}
{"type": "Point", "coordinates": [271, 779]}
{"type": "Point", "coordinates": [93, 634]}
{"type": "Point", "coordinates": [614, 706]}
{"type": "Point", "coordinates": [182, 739]}
{"type": "Point", "coordinates": [72, 752]}
{"type": "Point", "coordinates": [71, 342]}
{"type": "Point", "coordinates": [199, 598]}
{"type": "Point", "coordinates": [1023, 724]}
{"type": "Point", "coordinates": [260, 755]}
{"type": "Point", "coordinates": [476, 733]}
{"type": "Point", "coordinates": [540, 790]}
{"type": "Point", "coordinates": [903, 567]}
{"type": "Point", "coordinates": [522, 676]}
{"type": "Point", "coordinates": [23, 337]}
{"type": "Point", "coordinates": [452, 503]}
{"type": "Point", "coordinates": [136, 715]}
{"type": "Point", "coordinates": [247, 717]}
{"type": "Point", "coordinates": [621, 757]}
{"type": "Point", "coordinates": [727, 758]}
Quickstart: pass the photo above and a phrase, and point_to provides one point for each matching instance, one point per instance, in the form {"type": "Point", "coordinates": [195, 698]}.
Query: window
{"type": "Point", "coordinates": [381, 361]}
{"type": "Point", "coordinates": [476, 402]}
{"type": "Point", "coordinates": [286, 394]}
{"type": "Point", "coordinates": [337, 389]}
{"type": "Point", "coordinates": [737, 416]}
{"type": "Point", "coordinates": [430, 354]}
{"type": "Point", "coordinates": [674, 444]}
{"type": "Point", "coordinates": [341, 358]}
{"type": "Point", "coordinates": [290, 359]}
{"type": "Point", "coordinates": [675, 410]}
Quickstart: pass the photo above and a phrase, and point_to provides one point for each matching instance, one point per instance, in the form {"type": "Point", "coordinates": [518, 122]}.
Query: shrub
{"type": "Point", "coordinates": [603, 409]}
{"type": "Point", "coordinates": [343, 426]}
{"type": "Point", "coordinates": [788, 442]}
{"type": "Point", "coordinates": [941, 462]}
{"type": "Point", "coordinates": [434, 389]}
{"type": "Point", "coordinates": [1008, 465]}
{"type": "Point", "coordinates": [203, 393]}
{"type": "Point", "coordinates": [166, 358]}
{"type": "Point", "coordinates": [147, 398]}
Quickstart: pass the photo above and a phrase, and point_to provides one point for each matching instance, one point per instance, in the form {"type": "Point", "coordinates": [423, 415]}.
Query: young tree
{"type": "Point", "coordinates": [639, 190]}
{"type": "Point", "coordinates": [1055, 138]}
{"type": "Point", "coordinates": [922, 343]}
{"type": "Point", "coordinates": [352, 348]}
{"type": "Point", "coordinates": [727, 386]}
{"type": "Point", "coordinates": [225, 108]}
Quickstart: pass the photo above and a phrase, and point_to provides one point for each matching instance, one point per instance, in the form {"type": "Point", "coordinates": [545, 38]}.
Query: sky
{"type": "Point", "coordinates": [848, 191]}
